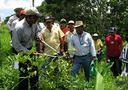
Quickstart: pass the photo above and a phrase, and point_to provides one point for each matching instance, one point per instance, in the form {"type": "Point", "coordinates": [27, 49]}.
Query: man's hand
{"type": "Point", "coordinates": [61, 51]}
{"type": "Point", "coordinates": [35, 54]}
{"type": "Point", "coordinates": [94, 58]}
{"type": "Point", "coordinates": [108, 60]}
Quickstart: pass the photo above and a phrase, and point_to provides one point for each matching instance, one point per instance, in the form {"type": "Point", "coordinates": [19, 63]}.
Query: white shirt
{"type": "Point", "coordinates": [9, 23]}
{"type": "Point", "coordinates": [83, 44]}
{"type": "Point", "coordinates": [23, 36]}
{"type": "Point", "coordinates": [14, 23]}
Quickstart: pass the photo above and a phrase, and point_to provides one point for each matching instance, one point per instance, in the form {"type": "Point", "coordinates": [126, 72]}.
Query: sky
{"type": "Point", "coordinates": [7, 6]}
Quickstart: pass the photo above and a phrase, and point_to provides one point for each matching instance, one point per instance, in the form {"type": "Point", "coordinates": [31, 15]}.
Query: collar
{"type": "Point", "coordinates": [84, 33]}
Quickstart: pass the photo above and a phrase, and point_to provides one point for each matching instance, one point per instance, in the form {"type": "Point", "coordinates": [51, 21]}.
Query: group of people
{"type": "Point", "coordinates": [66, 37]}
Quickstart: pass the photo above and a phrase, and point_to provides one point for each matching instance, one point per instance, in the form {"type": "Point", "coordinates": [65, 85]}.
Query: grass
{"type": "Point", "coordinates": [9, 76]}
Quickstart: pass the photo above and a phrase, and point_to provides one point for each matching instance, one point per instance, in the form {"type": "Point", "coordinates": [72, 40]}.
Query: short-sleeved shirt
{"type": "Point", "coordinates": [52, 39]}
{"type": "Point", "coordinates": [98, 44]}
{"type": "Point", "coordinates": [113, 45]}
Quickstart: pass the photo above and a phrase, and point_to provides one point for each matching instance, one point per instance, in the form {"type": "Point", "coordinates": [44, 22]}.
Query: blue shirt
{"type": "Point", "coordinates": [83, 44]}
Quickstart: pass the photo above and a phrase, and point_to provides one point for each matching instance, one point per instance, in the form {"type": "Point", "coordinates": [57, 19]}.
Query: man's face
{"type": "Point", "coordinates": [112, 33]}
{"type": "Point", "coordinates": [95, 37]}
{"type": "Point", "coordinates": [22, 16]}
{"type": "Point", "coordinates": [79, 30]}
{"type": "Point", "coordinates": [49, 23]}
{"type": "Point", "coordinates": [32, 19]}
{"type": "Point", "coordinates": [62, 25]}
{"type": "Point", "coordinates": [71, 27]}
{"type": "Point", "coordinates": [18, 13]}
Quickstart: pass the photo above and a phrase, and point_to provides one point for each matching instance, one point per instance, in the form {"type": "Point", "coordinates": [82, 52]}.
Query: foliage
{"type": "Point", "coordinates": [98, 15]}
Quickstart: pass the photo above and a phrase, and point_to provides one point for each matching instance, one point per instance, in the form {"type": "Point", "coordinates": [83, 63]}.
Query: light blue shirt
{"type": "Point", "coordinates": [83, 44]}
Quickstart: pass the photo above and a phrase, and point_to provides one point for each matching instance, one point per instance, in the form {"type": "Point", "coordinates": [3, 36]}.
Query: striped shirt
{"type": "Point", "coordinates": [23, 36]}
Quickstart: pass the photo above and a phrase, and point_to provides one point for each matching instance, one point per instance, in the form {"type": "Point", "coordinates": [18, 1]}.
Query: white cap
{"type": "Point", "coordinates": [71, 21]}
{"type": "Point", "coordinates": [95, 35]}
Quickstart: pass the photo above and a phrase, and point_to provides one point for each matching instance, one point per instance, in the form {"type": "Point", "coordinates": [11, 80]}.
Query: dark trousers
{"type": "Point", "coordinates": [99, 55]}
{"type": "Point", "coordinates": [24, 83]}
{"type": "Point", "coordinates": [116, 67]}
{"type": "Point", "coordinates": [25, 80]}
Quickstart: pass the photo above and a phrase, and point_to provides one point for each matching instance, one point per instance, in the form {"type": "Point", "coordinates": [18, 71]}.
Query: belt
{"type": "Point", "coordinates": [81, 56]}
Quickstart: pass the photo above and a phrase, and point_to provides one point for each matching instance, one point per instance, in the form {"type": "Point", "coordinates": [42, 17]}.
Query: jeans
{"type": "Point", "coordinates": [83, 61]}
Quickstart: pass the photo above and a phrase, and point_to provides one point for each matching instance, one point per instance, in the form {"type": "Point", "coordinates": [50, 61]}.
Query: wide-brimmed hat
{"type": "Point", "coordinates": [33, 12]}
{"type": "Point", "coordinates": [95, 35]}
{"type": "Point", "coordinates": [71, 22]}
{"type": "Point", "coordinates": [79, 23]}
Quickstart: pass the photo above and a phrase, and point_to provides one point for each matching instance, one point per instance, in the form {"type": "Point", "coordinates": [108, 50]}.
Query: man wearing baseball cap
{"type": "Point", "coordinates": [113, 50]}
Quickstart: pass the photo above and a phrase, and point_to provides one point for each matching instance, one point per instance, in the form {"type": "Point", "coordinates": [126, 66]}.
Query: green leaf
{"type": "Point", "coordinates": [99, 82]}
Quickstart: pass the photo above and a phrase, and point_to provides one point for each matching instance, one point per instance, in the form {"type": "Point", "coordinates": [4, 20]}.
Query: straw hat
{"type": "Point", "coordinates": [79, 23]}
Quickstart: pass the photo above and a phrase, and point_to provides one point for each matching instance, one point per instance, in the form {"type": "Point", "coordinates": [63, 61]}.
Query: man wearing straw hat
{"type": "Point", "coordinates": [85, 50]}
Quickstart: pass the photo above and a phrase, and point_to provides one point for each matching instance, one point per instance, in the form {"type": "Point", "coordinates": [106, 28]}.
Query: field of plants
{"type": "Point", "coordinates": [57, 75]}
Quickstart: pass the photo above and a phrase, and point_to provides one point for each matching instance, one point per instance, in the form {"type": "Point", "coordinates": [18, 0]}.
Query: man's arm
{"type": "Point", "coordinates": [92, 47]}
{"type": "Point", "coordinates": [61, 35]}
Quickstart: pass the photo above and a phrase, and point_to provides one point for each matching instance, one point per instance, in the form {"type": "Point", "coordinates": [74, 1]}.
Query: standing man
{"type": "Point", "coordinates": [71, 28]}
{"type": "Point", "coordinates": [51, 39]}
{"type": "Point", "coordinates": [98, 45]}
{"type": "Point", "coordinates": [65, 30]}
{"type": "Point", "coordinates": [22, 40]}
{"type": "Point", "coordinates": [52, 36]}
{"type": "Point", "coordinates": [25, 31]}
{"type": "Point", "coordinates": [85, 50]}
{"type": "Point", "coordinates": [21, 16]}
{"type": "Point", "coordinates": [113, 48]}
{"type": "Point", "coordinates": [12, 18]}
